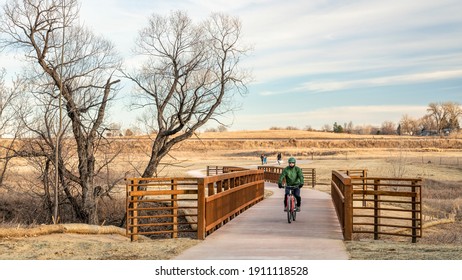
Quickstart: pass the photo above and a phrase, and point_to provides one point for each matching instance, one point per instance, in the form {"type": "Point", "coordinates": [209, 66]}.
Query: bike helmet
{"type": "Point", "coordinates": [291, 160]}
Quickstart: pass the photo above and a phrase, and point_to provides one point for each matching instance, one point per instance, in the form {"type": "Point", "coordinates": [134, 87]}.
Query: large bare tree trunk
{"type": "Point", "coordinates": [190, 77]}
{"type": "Point", "coordinates": [81, 75]}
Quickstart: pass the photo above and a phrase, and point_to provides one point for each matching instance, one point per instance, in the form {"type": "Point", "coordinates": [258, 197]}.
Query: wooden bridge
{"type": "Point", "coordinates": [174, 207]}
{"type": "Point", "coordinates": [262, 232]}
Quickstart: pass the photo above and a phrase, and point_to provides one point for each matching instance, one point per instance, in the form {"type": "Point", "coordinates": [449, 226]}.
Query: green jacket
{"type": "Point", "coordinates": [293, 176]}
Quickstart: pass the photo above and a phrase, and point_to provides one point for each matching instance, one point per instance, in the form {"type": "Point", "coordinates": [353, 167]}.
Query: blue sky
{"type": "Point", "coordinates": [317, 62]}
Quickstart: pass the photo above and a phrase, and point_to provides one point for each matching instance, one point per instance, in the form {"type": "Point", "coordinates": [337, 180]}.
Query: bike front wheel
{"type": "Point", "coordinates": [293, 212]}
{"type": "Point", "coordinates": [289, 209]}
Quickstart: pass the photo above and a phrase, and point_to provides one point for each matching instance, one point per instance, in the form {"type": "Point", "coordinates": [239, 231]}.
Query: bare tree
{"type": "Point", "coordinates": [409, 125]}
{"type": "Point", "coordinates": [76, 67]}
{"type": "Point", "coordinates": [6, 98]}
{"type": "Point", "coordinates": [453, 113]}
{"type": "Point", "coordinates": [222, 128]}
{"type": "Point", "coordinates": [349, 127]}
{"type": "Point", "coordinates": [388, 128]}
{"type": "Point", "coordinates": [9, 125]}
{"type": "Point", "coordinates": [326, 127]}
{"type": "Point", "coordinates": [426, 123]}
{"type": "Point", "coordinates": [438, 114]}
{"type": "Point", "coordinates": [445, 115]}
{"type": "Point", "coordinates": [190, 75]}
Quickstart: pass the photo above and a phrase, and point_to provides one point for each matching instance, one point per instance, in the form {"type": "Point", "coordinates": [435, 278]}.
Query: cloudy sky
{"type": "Point", "coordinates": [318, 62]}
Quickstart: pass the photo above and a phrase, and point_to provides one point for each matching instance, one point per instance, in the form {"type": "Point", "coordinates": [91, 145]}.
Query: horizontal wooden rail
{"type": "Point", "coordinates": [217, 170]}
{"type": "Point", "coordinates": [272, 174]}
{"type": "Point", "coordinates": [354, 173]}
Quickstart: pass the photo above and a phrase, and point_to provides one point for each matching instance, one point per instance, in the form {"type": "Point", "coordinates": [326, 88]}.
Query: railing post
{"type": "Point", "coordinates": [134, 236]}
{"type": "Point", "coordinates": [174, 205]}
{"type": "Point", "coordinates": [201, 209]}
{"type": "Point", "coordinates": [219, 186]}
{"type": "Point", "coordinates": [314, 177]}
{"type": "Point", "coordinates": [348, 209]}
{"type": "Point", "coordinates": [211, 189]}
{"type": "Point", "coordinates": [364, 175]}
{"type": "Point", "coordinates": [376, 210]}
{"type": "Point", "coordinates": [414, 213]}
{"type": "Point", "coordinates": [127, 206]}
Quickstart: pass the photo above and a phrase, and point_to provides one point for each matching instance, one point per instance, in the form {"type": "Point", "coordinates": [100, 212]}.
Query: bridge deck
{"type": "Point", "coordinates": [262, 232]}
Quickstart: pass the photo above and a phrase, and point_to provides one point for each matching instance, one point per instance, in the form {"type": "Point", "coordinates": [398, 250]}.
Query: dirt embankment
{"type": "Point", "coordinates": [417, 144]}
{"type": "Point", "coordinates": [277, 140]}
{"type": "Point", "coordinates": [84, 242]}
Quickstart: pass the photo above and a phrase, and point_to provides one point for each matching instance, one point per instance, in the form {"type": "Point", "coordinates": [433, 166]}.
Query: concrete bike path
{"type": "Point", "coordinates": [263, 233]}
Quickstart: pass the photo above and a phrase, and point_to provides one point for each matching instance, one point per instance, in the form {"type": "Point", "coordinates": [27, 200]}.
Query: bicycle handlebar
{"type": "Point", "coordinates": [291, 187]}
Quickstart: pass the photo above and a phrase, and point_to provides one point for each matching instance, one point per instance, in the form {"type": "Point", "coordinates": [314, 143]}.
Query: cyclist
{"type": "Point", "coordinates": [293, 176]}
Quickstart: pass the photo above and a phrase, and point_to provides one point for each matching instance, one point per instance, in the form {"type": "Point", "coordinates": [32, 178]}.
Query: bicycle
{"type": "Point", "coordinates": [290, 204]}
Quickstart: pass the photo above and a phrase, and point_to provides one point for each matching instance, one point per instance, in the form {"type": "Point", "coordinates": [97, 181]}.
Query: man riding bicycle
{"type": "Point", "coordinates": [293, 176]}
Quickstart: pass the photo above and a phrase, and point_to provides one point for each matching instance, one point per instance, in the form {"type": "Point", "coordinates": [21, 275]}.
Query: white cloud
{"type": "Point", "coordinates": [335, 85]}
{"type": "Point", "coordinates": [381, 81]}
{"type": "Point", "coordinates": [304, 39]}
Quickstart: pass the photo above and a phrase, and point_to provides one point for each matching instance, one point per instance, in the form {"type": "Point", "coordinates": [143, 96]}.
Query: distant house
{"type": "Point", "coordinates": [447, 131]}
{"type": "Point", "coordinates": [444, 132]}
{"type": "Point", "coordinates": [425, 132]}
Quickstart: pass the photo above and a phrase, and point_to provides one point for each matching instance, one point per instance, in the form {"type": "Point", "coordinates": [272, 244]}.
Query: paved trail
{"type": "Point", "coordinates": [262, 232]}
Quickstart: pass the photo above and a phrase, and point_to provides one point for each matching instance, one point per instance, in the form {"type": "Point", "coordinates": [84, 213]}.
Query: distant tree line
{"type": "Point", "coordinates": [220, 128]}
{"type": "Point", "coordinates": [441, 118]}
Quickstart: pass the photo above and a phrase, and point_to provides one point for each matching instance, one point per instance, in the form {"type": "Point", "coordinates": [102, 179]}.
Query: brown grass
{"type": "Point", "coordinates": [11, 231]}
{"type": "Point", "coordinates": [437, 160]}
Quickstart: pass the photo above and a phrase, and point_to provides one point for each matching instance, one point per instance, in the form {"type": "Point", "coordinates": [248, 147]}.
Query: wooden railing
{"type": "Point", "coordinates": [272, 174]}
{"type": "Point", "coordinates": [378, 206]}
{"type": "Point", "coordinates": [173, 206]}
{"type": "Point", "coordinates": [341, 197]}
{"type": "Point", "coordinates": [353, 173]}
{"type": "Point", "coordinates": [161, 206]}
{"type": "Point", "coordinates": [226, 196]}
{"type": "Point", "coordinates": [216, 170]}
{"type": "Point", "coordinates": [356, 173]}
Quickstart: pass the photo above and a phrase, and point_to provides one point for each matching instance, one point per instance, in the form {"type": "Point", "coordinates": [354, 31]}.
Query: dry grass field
{"type": "Point", "coordinates": [437, 160]}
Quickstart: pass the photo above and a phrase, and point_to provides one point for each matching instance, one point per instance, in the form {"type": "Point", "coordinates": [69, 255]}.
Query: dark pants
{"type": "Point", "coordinates": [296, 193]}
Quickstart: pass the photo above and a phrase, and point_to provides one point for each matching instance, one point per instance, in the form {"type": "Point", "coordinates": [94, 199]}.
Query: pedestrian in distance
{"type": "Point", "coordinates": [279, 158]}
